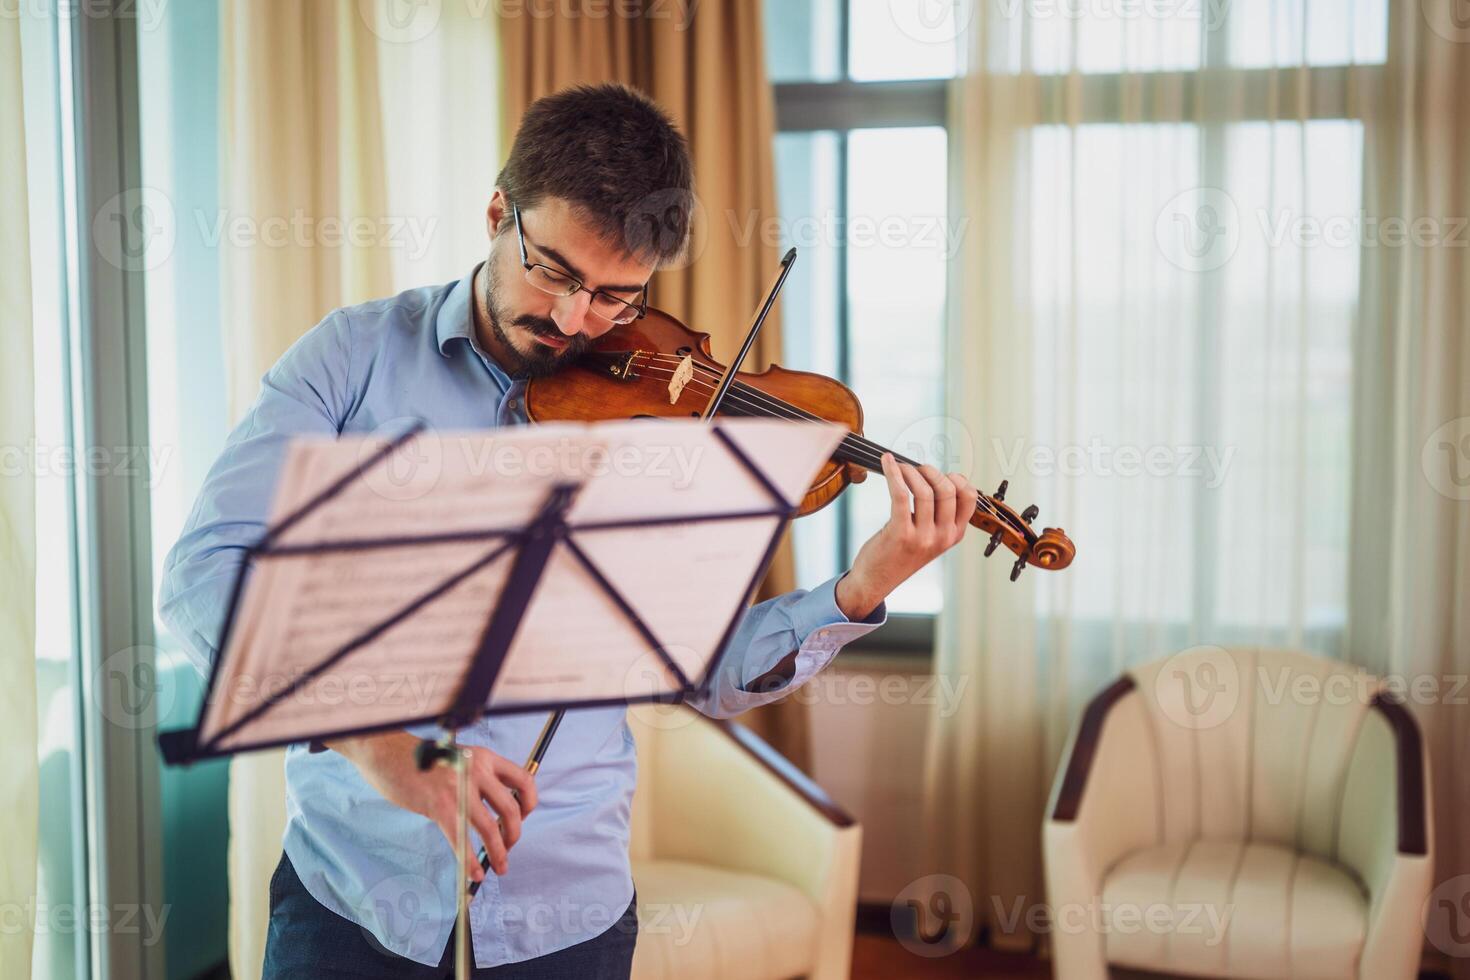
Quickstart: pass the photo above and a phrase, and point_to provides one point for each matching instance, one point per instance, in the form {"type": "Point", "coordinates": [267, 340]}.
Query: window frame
{"type": "Point", "coordinates": [109, 408]}
{"type": "Point", "coordinates": [839, 107]}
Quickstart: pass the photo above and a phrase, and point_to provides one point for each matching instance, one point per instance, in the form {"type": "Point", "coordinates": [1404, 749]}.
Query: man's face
{"type": "Point", "coordinates": [534, 333]}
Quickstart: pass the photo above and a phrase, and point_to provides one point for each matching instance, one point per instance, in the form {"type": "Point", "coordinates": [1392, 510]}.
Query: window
{"type": "Point", "coordinates": [61, 860]}
{"type": "Point", "coordinates": [179, 84]}
{"type": "Point", "coordinates": [862, 95]}
{"type": "Point", "coordinates": [1285, 178]}
{"type": "Point", "coordinates": [861, 172]}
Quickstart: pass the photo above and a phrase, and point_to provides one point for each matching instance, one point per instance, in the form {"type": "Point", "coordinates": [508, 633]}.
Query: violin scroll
{"type": "Point", "coordinates": [1051, 549]}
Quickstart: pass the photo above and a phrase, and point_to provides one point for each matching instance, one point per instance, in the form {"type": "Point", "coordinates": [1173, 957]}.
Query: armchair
{"type": "Point", "coordinates": [1240, 813]}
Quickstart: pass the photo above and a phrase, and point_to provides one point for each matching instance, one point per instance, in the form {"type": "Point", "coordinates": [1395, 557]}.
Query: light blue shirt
{"type": "Point", "coordinates": [371, 367]}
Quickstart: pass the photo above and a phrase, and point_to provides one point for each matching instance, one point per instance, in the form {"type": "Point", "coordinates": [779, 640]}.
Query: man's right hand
{"type": "Point", "coordinates": [387, 763]}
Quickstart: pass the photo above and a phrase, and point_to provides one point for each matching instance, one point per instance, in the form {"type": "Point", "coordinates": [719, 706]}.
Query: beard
{"type": "Point", "coordinates": [539, 360]}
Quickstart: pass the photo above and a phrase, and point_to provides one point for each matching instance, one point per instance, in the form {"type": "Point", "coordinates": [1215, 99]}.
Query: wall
{"type": "Point", "coordinates": [869, 715]}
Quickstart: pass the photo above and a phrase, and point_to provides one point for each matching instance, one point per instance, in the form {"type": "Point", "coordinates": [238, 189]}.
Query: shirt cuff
{"type": "Point", "coordinates": [822, 629]}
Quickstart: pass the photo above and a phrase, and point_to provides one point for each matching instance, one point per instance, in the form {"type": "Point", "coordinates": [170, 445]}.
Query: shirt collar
{"type": "Point", "coordinates": [455, 320]}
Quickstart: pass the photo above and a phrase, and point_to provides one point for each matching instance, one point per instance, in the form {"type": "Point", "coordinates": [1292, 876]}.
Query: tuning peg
{"type": "Point", "coordinates": [994, 543]}
{"type": "Point", "coordinates": [1016, 568]}
{"type": "Point", "coordinates": [1029, 514]}
{"type": "Point", "coordinates": [1000, 491]}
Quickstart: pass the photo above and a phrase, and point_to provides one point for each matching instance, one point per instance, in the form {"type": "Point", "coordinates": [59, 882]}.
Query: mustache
{"type": "Point", "coordinates": [545, 327]}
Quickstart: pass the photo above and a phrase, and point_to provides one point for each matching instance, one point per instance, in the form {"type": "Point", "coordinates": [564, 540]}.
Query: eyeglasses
{"type": "Point", "coordinates": [558, 283]}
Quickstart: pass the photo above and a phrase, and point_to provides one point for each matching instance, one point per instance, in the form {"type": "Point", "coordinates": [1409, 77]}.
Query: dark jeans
{"type": "Point", "coordinates": [306, 940]}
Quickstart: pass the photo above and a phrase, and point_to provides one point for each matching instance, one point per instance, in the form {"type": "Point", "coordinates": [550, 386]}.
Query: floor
{"type": "Point", "coordinates": [880, 957]}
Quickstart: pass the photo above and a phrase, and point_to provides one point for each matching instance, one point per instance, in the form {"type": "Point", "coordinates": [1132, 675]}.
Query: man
{"type": "Point", "coordinates": [366, 885]}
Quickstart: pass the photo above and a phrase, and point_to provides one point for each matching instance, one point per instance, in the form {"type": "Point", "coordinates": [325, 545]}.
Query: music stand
{"type": "Point", "coordinates": [549, 538]}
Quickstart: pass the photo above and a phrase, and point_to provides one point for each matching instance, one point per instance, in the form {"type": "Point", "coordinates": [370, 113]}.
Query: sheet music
{"type": "Point", "coordinates": [575, 645]}
{"type": "Point", "coordinates": [304, 608]}
{"type": "Point", "coordinates": [567, 650]}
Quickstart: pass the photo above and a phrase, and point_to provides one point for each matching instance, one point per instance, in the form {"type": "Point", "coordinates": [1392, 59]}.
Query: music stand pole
{"type": "Point", "coordinates": [448, 752]}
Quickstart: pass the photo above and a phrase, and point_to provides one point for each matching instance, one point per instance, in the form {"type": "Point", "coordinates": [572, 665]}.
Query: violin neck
{"type": "Point", "coordinates": [863, 452]}
{"type": "Point", "coordinates": [868, 454]}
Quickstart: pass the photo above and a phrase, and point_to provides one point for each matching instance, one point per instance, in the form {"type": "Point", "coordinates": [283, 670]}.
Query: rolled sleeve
{"type": "Point", "coordinates": [809, 624]}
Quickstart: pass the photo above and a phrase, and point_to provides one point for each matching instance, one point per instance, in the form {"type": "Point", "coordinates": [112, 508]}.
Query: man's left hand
{"type": "Point", "coordinates": [930, 512]}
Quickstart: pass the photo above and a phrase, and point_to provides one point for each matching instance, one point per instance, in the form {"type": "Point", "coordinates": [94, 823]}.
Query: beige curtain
{"type": "Point", "coordinates": [708, 71]}
{"type": "Point", "coordinates": [1198, 331]}
{"type": "Point", "coordinates": [18, 764]}
{"type": "Point", "coordinates": [1410, 591]}
{"type": "Point", "coordinates": [302, 138]}
{"type": "Point", "coordinates": [338, 110]}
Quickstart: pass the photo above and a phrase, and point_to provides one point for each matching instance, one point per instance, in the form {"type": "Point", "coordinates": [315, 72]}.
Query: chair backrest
{"type": "Point", "coordinates": [1253, 743]}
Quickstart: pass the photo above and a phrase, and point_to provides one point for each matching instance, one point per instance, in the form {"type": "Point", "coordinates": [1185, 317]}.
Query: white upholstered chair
{"type": "Point", "coordinates": [1240, 813]}
{"type": "Point", "coordinates": [744, 867]}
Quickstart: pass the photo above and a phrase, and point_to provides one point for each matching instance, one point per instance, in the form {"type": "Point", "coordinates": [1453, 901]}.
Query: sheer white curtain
{"type": "Point", "coordinates": [19, 775]}
{"type": "Point", "coordinates": [340, 111]}
{"type": "Point", "coordinates": [1209, 317]}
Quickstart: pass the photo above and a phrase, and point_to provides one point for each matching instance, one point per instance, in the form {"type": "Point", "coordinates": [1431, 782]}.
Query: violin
{"type": "Point", "coordinates": [656, 367]}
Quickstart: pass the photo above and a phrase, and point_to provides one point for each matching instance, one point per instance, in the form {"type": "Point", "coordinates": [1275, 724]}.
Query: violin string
{"type": "Point", "coordinates": [869, 453]}
{"type": "Point", "coordinates": [866, 451]}
{"type": "Point", "coordinates": [785, 409]}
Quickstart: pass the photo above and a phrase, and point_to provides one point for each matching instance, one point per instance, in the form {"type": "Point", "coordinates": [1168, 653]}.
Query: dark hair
{"type": "Point", "coordinates": [616, 157]}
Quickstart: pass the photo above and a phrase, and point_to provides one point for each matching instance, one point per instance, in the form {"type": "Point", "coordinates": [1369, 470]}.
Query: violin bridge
{"type": "Point", "coordinates": [681, 377]}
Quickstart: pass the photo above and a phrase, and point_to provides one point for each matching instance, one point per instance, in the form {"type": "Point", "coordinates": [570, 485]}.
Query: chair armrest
{"type": "Point", "coordinates": [721, 796]}
{"type": "Point", "coordinates": [1384, 835]}
{"type": "Point", "coordinates": [1104, 805]}
{"type": "Point", "coordinates": [1105, 798]}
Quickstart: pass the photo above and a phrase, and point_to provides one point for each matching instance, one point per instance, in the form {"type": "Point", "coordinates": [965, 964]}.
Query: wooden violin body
{"type": "Point", "coordinates": [657, 367]}
{"type": "Point", "coordinates": [624, 377]}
